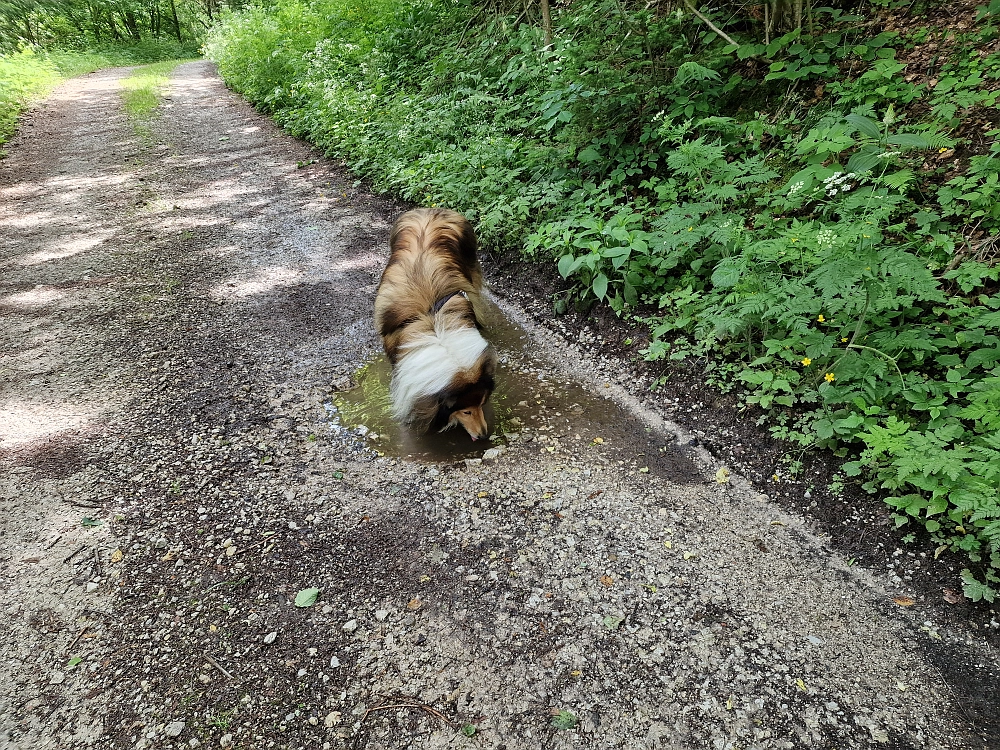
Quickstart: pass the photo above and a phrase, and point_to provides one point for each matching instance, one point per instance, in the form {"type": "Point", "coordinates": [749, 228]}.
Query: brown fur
{"type": "Point", "coordinates": [433, 255]}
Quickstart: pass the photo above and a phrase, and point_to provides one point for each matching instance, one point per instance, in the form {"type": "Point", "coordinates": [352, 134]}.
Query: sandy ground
{"type": "Point", "coordinates": [183, 309]}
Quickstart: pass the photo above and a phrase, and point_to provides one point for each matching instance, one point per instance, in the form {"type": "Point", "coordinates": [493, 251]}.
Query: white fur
{"type": "Point", "coordinates": [430, 362]}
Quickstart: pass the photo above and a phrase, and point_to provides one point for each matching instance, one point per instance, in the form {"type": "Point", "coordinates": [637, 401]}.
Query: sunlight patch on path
{"type": "Point", "coordinates": [23, 421]}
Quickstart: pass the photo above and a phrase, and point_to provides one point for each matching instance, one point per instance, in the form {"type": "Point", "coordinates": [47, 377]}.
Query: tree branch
{"type": "Point", "coordinates": [710, 25]}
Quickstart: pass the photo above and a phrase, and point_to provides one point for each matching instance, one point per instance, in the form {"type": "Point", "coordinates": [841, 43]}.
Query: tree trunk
{"type": "Point", "coordinates": [177, 24]}
{"type": "Point", "coordinates": [546, 23]}
{"type": "Point", "coordinates": [29, 32]}
{"type": "Point", "coordinates": [131, 25]}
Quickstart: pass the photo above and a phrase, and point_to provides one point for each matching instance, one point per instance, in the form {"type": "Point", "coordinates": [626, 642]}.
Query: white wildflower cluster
{"type": "Point", "coordinates": [796, 187]}
{"type": "Point", "coordinates": [825, 237]}
{"type": "Point", "coordinates": [838, 182]}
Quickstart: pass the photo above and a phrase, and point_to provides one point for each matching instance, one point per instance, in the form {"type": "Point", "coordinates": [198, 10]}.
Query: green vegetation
{"type": "Point", "coordinates": [803, 198]}
{"type": "Point", "coordinates": [564, 720]}
{"type": "Point", "coordinates": [143, 90]}
{"type": "Point", "coordinates": [105, 25]}
{"type": "Point", "coordinates": [23, 77]}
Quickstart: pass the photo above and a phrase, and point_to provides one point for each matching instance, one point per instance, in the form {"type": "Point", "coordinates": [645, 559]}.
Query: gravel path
{"type": "Point", "coordinates": [182, 312]}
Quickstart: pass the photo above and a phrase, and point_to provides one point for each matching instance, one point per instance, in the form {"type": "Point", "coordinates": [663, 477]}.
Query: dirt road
{"type": "Point", "coordinates": [189, 440]}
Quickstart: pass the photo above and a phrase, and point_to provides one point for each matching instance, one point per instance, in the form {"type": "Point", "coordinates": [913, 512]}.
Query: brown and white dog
{"type": "Point", "coordinates": [426, 313]}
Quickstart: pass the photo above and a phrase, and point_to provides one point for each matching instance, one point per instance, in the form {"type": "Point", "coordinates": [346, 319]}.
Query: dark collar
{"type": "Point", "coordinates": [444, 300]}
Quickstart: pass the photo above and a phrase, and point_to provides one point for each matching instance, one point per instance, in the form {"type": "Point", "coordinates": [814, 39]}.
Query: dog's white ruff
{"type": "Point", "coordinates": [429, 364]}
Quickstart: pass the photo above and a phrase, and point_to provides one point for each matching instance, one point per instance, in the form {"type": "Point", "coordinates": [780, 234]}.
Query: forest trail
{"type": "Point", "coordinates": [184, 306]}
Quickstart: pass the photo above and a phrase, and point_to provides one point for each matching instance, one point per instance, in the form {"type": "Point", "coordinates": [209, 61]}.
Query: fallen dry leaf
{"type": "Point", "coordinates": [414, 604]}
{"type": "Point", "coordinates": [117, 555]}
{"type": "Point", "coordinates": [607, 580]}
{"type": "Point", "coordinates": [904, 601]}
{"type": "Point", "coordinates": [951, 596]}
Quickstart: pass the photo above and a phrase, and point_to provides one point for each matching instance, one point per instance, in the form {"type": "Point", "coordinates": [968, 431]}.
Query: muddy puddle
{"type": "Point", "coordinates": [532, 402]}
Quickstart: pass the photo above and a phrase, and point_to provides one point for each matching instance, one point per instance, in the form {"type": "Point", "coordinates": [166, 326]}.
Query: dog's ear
{"type": "Point", "coordinates": [489, 369]}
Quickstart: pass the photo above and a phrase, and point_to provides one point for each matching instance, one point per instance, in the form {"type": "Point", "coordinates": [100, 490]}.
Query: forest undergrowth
{"type": "Point", "coordinates": [803, 198]}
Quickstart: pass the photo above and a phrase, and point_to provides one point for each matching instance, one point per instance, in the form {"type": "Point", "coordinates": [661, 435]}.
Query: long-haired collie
{"type": "Point", "coordinates": [426, 313]}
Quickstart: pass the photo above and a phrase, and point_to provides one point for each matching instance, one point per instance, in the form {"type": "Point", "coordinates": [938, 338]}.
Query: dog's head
{"type": "Point", "coordinates": [463, 402]}
{"type": "Point", "coordinates": [468, 412]}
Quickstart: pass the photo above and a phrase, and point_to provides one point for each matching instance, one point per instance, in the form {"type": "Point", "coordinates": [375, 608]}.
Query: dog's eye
{"type": "Point", "coordinates": [467, 411]}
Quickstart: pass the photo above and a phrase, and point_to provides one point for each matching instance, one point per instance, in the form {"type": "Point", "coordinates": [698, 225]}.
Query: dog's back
{"type": "Point", "coordinates": [433, 255]}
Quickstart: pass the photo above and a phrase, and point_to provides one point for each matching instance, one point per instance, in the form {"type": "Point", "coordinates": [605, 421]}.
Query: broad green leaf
{"type": "Point", "coordinates": [600, 286]}
{"type": "Point", "coordinates": [982, 357]}
{"type": "Point", "coordinates": [867, 126]}
{"type": "Point", "coordinates": [865, 160]}
{"type": "Point", "coordinates": [307, 597]}
{"type": "Point", "coordinates": [565, 263]}
{"type": "Point", "coordinates": [909, 140]}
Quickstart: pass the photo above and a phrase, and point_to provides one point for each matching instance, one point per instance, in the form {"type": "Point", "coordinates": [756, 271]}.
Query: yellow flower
{"type": "Point", "coordinates": [806, 361]}
{"type": "Point", "coordinates": [821, 319]}
{"type": "Point", "coordinates": [942, 150]}
{"type": "Point", "coordinates": [844, 339]}
{"type": "Point", "coordinates": [829, 377]}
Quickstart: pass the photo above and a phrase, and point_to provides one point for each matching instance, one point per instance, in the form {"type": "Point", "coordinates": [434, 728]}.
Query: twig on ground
{"type": "Point", "coordinates": [79, 635]}
{"type": "Point", "coordinates": [216, 664]}
{"type": "Point", "coordinates": [79, 549]}
{"type": "Point", "coordinates": [253, 546]}
{"type": "Point", "coordinates": [414, 704]}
